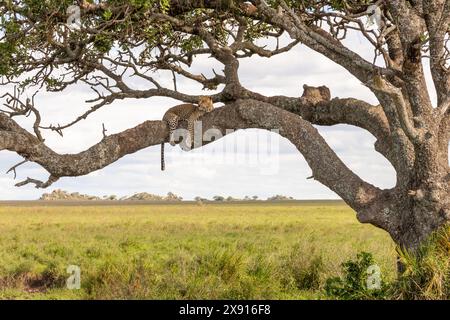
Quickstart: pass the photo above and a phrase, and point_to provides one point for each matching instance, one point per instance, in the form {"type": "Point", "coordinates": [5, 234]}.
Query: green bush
{"type": "Point", "coordinates": [353, 284]}
{"type": "Point", "coordinates": [426, 274]}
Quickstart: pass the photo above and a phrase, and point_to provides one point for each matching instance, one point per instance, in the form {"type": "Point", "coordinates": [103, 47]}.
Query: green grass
{"type": "Point", "coordinates": [186, 251]}
{"type": "Point", "coordinates": [427, 273]}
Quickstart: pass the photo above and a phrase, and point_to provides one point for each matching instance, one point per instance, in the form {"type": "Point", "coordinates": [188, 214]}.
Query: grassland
{"type": "Point", "coordinates": [186, 251]}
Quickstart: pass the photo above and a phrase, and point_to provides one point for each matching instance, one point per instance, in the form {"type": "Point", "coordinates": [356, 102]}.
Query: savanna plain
{"type": "Point", "coordinates": [255, 250]}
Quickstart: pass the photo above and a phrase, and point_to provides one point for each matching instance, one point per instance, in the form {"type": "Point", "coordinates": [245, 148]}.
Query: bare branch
{"type": "Point", "coordinates": [13, 168]}
{"type": "Point", "coordinates": [39, 184]}
{"type": "Point", "coordinates": [104, 130]}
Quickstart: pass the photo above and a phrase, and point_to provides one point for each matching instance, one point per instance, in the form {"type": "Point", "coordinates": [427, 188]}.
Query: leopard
{"type": "Point", "coordinates": [185, 112]}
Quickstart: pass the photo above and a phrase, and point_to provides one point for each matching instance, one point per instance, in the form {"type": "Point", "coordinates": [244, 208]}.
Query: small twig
{"type": "Point", "coordinates": [174, 81]}
{"type": "Point", "coordinates": [104, 131]}
{"type": "Point", "coordinates": [13, 168]}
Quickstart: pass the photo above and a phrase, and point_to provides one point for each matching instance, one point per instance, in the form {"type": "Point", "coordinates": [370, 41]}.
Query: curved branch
{"type": "Point", "coordinates": [316, 107]}
{"type": "Point", "coordinates": [326, 166]}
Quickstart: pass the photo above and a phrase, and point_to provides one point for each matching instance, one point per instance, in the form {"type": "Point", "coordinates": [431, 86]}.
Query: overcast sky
{"type": "Point", "coordinates": [250, 162]}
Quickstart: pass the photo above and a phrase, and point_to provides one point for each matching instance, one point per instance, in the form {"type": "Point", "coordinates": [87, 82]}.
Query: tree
{"type": "Point", "coordinates": [118, 39]}
{"type": "Point", "coordinates": [279, 197]}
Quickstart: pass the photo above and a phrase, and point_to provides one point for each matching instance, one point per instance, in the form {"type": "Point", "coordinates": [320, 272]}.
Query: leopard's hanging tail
{"type": "Point", "coordinates": [163, 162]}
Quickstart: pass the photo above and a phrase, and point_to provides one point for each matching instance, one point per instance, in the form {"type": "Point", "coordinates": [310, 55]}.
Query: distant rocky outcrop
{"type": "Point", "coordinates": [142, 196]}
{"type": "Point", "coordinates": [59, 194]}
{"type": "Point", "coordinates": [76, 196]}
{"type": "Point", "coordinates": [64, 195]}
{"type": "Point", "coordinates": [152, 197]}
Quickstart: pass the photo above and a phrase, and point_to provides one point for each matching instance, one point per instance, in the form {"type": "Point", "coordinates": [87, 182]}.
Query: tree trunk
{"type": "Point", "coordinates": [416, 214]}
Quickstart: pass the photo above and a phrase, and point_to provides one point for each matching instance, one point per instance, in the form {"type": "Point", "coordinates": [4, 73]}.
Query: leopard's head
{"type": "Point", "coordinates": [205, 104]}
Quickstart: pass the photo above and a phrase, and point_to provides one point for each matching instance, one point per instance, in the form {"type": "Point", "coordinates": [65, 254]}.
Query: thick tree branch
{"type": "Point", "coordinates": [242, 114]}
{"type": "Point", "coordinates": [437, 18]}
{"type": "Point", "coordinates": [412, 27]}
{"type": "Point", "coordinates": [379, 84]}
{"type": "Point", "coordinates": [316, 106]}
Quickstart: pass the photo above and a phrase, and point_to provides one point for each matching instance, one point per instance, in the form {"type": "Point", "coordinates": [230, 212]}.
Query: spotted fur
{"type": "Point", "coordinates": [185, 112]}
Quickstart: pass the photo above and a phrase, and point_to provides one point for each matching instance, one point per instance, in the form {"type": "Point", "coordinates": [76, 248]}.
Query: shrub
{"type": "Point", "coordinates": [353, 284]}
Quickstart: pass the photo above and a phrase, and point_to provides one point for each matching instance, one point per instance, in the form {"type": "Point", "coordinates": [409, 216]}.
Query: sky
{"type": "Point", "coordinates": [248, 162]}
